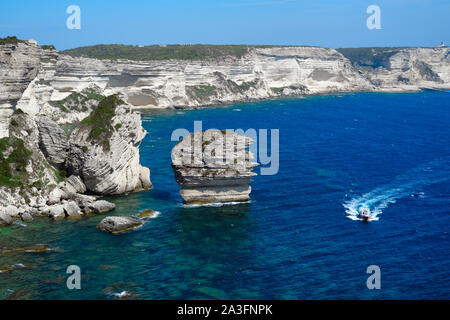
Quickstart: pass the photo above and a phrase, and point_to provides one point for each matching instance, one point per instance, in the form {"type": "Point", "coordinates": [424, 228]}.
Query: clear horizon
{"type": "Point", "coordinates": [414, 23]}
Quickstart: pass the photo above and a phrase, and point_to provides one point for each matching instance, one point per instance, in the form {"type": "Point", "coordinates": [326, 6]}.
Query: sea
{"type": "Point", "coordinates": [298, 238]}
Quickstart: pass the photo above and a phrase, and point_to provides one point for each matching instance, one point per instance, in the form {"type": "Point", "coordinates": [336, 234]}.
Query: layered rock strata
{"type": "Point", "coordinates": [30, 186]}
{"type": "Point", "coordinates": [100, 156]}
{"type": "Point", "coordinates": [45, 81]}
{"type": "Point", "coordinates": [109, 164]}
{"type": "Point", "coordinates": [213, 167]}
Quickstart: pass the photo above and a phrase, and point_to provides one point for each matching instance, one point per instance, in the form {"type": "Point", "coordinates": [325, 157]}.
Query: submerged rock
{"type": "Point", "coordinates": [147, 214]}
{"type": "Point", "coordinates": [34, 248]}
{"type": "Point", "coordinates": [119, 224]}
{"type": "Point", "coordinates": [213, 167]}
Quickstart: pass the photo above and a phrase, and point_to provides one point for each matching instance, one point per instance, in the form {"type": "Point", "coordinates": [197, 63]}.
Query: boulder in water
{"type": "Point", "coordinates": [72, 209]}
{"type": "Point", "coordinates": [26, 217]}
{"type": "Point", "coordinates": [116, 225]}
{"type": "Point", "coordinates": [102, 206]}
{"type": "Point", "coordinates": [5, 219]}
{"type": "Point", "coordinates": [213, 166]}
{"type": "Point", "coordinates": [56, 212]}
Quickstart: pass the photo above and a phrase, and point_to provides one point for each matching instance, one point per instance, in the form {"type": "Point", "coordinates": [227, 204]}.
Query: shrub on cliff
{"type": "Point", "coordinates": [99, 121]}
{"type": "Point", "coordinates": [10, 40]}
{"type": "Point", "coordinates": [79, 101]}
{"type": "Point", "coordinates": [370, 57]}
{"type": "Point", "coordinates": [14, 157]}
{"type": "Point", "coordinates": [48, 47]}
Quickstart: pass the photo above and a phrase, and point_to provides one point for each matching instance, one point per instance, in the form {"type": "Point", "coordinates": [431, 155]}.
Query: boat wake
{"type": "Point", "coordinates": [406, 185]}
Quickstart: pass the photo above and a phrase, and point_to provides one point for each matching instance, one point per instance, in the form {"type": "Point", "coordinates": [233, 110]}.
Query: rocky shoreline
{"type": "Point", "coordinates": [69, 131]}
{"type": "Point", "coordinates": [46, 171]}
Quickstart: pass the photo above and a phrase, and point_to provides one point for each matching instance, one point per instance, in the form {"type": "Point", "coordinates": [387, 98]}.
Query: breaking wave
{"type": "Point", "coordinates": [406, 185]}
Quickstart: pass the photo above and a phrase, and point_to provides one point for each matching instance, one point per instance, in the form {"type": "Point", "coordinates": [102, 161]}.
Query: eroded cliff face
{"type": "Point", "coordinates": [45, 171]}
{"type": "Point", "coordinates": [413, 69]}
{"type": "Point", "coordinates": [20, 64]}
{"type": "Point", "coordinates": [40, 81]}
{"type": "Point", "coordinates": [29, 184]}
{"type": "Point", "coordinates": [110, 166]}
{"type": "Point", "coordinates": [262, 73]}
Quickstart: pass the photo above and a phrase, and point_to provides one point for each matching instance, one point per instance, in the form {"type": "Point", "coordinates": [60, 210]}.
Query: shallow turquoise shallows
{"type": "Point", "coordinates": [298, 238]}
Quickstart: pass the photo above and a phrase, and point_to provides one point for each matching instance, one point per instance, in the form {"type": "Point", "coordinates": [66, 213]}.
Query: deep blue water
{"type": "Point", "coordinates": [295, 240]}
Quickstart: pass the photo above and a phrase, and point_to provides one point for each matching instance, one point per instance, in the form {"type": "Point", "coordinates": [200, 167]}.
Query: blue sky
{"type": "Point", "coordinates": [338, 23]}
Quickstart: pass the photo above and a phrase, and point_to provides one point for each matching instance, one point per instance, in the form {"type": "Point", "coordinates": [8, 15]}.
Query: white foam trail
{"type": "Point", "coordinates": [18, 223]}
{"type": "Point", "coordinates": [122, 294]}
{"type": "Point", "coordinates": [218, 204]}
{"type": "Point", "coordinates": [18, 265]}
{"type": "Point", "coordinates": [408, 184]}
{"type": "Point", "coordinates": [155, 215]}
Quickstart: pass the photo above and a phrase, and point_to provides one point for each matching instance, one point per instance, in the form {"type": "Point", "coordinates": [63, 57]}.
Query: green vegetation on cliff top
{"type": "Point", "coordinates": [370, 56]}
{"type": "Point", "coordinates": [99, 121]}
{"type": "Point", "coordinates": [161, 52]}
{"type": "Point", "coordinates": [15, 40]}
{"type": "Point", "coordinates": [10, 40]}
{"type": "Point", "coordinates": [367, 56]}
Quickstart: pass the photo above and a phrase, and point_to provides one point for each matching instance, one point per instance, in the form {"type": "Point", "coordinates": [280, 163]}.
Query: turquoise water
{"type": "Point", "coordinates": [298, 238]}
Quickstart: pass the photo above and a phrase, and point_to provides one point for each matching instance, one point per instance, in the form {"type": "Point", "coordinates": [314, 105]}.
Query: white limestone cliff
{"type": "Point", "coordinates": [34, 79]}
{"type": "Point", "coordinates": [213, 167]}
{"type": "Point", "coordinates": [111, 166]}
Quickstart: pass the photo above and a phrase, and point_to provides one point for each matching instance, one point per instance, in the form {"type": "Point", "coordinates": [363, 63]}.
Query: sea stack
{"type": "Point", "coordinates": [214, 166]}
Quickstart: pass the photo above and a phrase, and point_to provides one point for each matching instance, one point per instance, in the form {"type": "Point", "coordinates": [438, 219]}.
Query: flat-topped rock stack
{"type": "Point", "coordinates": [214, 166]}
